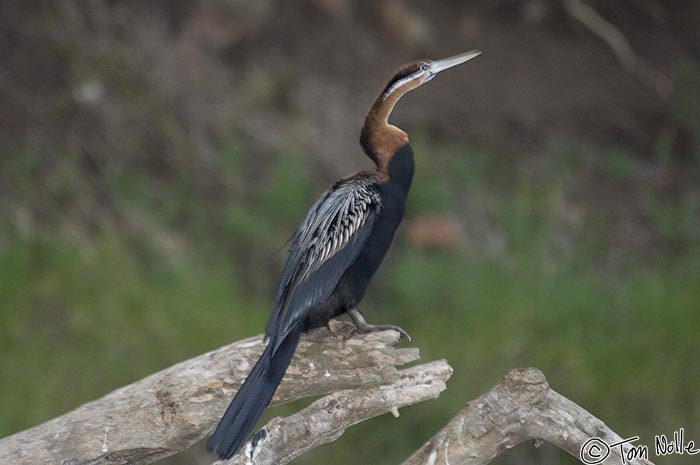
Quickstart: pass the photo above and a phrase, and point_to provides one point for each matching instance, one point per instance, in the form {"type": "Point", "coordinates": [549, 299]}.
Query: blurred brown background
{"type": "Point", "coordinates": [155, 156]}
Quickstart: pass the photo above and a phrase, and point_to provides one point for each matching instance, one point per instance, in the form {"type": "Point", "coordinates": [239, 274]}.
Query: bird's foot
{"type": "Point", "coordinates": [369, 328]}
{"type": "Point", "coordinates": [341, 329]}
{"type": "Point", "coordinates": [363, 327]}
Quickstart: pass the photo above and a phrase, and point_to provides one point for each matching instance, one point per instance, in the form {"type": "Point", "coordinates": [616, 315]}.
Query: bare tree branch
{"type": "Point", "coordinates": [324, 421]}
{"type": "Point", "coordinates": [170, 410]}
{"type": "Point", "coordinates": [519, 408]}
{"type": "Point", "coordinates": [619, 44]}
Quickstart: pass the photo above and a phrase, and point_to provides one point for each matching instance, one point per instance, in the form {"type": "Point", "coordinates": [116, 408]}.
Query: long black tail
{"type": "Point", "coordinates": [254, 395]}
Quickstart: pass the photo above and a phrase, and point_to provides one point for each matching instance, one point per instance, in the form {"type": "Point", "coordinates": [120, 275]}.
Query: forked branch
{"type": "Point", "coordinates": [521, 407]}
{"type": "Point", "coordinates": [169, 411]}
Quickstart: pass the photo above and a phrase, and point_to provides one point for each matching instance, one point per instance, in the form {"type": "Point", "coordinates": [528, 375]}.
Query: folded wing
{"type": "Point", "coordinates": [326, 244]}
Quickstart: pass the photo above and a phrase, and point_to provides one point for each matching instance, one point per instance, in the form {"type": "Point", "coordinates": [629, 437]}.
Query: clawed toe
{"type": "Point", "coordinates": [364, 327]}
{"type": "Point", "coordinates": [368, 328]}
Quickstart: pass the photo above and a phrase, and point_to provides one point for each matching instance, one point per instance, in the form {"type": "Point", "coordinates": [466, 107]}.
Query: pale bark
{"type": "Point", "coordinates": [521, 407]}
{"type": "Point", "coordinates": [169, 411]}
{"type": "Point", "coordinates": [283, 439]}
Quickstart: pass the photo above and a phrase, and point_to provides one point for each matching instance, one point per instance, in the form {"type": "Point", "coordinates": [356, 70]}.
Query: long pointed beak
{"type": "Point", "coordinates": [445, 63]}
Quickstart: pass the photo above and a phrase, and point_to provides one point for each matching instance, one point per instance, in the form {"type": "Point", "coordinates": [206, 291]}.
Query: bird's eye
{"type": "Point", "coordinates": [423, 67]}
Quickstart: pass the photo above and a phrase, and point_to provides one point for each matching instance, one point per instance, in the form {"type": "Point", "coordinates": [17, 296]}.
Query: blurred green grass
{"type": "Point", "coordinates": [537, 278]}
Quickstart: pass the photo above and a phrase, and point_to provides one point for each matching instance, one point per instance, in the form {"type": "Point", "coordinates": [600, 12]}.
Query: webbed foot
{"type": "Point", "coordinates": [363, 327]}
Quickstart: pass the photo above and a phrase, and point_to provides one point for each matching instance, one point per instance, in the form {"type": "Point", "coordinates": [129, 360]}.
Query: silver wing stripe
{"type": "Point", "coordinates": [330, 225]}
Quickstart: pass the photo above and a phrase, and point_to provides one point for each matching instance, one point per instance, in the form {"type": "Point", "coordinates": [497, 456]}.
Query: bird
{"type": "Point", "coordinates": [335, 252]}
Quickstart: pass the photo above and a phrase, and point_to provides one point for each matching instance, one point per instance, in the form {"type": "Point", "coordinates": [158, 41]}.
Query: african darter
{"type": "Point", "coordinates": [334, 253]}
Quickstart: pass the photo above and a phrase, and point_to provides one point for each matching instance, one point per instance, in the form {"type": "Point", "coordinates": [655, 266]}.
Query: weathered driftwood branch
{"type": "Point", "coordinates": [519, 408]}
{"type": "Point", "coordinates": [170, 410]}
{"type": "Point", "coordinates": [167, 412]}
{"type": "Point", "coordinates": [283, 439]}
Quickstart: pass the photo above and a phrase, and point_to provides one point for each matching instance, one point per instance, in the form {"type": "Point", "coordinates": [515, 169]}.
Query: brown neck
{"type": "Point", "coordinates": [381, 140]}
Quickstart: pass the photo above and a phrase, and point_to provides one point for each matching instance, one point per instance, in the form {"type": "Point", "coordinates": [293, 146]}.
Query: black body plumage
{"type": "Point", "coordinates": [334, 253]}
{"type": "Point", "coordinates": [333, 256]}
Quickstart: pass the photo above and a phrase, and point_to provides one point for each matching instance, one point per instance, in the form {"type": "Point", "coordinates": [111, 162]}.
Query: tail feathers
{"type": "Point", "coordinates": [253, 397]}
{"type": "Point", "coordinates": [230, 421]}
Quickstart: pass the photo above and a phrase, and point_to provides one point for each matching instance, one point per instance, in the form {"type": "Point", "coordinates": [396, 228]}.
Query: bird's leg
{"type": "Point", "coordinates": [363, 327]}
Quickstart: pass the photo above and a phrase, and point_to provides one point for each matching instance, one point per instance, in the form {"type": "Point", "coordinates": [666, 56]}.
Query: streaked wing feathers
{"type": "Point", "coordinates": [333, 233]}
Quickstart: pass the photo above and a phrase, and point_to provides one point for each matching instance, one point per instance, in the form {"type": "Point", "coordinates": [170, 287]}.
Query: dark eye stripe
{"type": "Point", "coordinates": [402, 73]}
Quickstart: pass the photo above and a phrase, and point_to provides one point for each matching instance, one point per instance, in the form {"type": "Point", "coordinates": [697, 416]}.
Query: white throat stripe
{"type": "Point", "coordinates": [401, 82]}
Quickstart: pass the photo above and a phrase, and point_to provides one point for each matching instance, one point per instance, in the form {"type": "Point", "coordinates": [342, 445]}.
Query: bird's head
{"type": "Point", "coordinates": [379, 139]}
{"type": "Point", "coordinates": [413, 75]}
